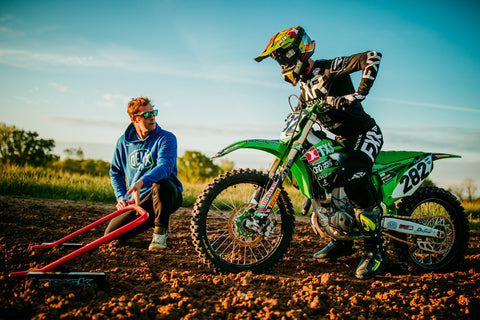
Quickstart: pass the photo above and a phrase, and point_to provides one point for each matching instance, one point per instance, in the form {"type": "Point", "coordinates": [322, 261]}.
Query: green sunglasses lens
{"type": "Point", "coordinates": [147, 114]}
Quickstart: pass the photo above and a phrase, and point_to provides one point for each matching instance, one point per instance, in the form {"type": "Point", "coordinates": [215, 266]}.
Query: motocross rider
{"type": "Point", "coordinates": [330, 80]}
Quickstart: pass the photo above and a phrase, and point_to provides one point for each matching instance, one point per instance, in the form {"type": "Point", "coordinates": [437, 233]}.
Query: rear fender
{"type": "Point", "coordinates": [277, 149]}
{"type": "Point", "coordinates": [403, 176]}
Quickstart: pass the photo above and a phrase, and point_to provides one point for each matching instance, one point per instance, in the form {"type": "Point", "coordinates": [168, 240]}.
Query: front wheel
{"type": "Point", "coordinates": [220, 224]}
{"type": "Point", "coordinates": [439, 209]}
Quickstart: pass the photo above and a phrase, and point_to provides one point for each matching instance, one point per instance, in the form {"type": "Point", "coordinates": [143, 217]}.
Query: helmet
{"type": "Point", "coordinates": [291, 48]}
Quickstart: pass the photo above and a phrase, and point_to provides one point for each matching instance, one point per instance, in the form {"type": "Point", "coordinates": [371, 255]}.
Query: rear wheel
{"type": "Point", "coordinates": [439, 209]}
{"type": "Point", "coordinates": [220, 231]}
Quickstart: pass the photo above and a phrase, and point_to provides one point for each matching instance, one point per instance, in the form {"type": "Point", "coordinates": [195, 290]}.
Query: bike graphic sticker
{"type": "Point", "coordinates": [413, 178]}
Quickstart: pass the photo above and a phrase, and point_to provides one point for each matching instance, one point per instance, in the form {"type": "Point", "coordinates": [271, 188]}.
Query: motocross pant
{"type": "Point", "coordinates": [362, 150]}
{"type": "Point", "coordinates": [160, 203]}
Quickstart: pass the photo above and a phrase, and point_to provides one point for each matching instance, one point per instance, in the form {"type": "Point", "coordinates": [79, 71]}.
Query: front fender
{"type": "Point", "coordinates": [277, 149]}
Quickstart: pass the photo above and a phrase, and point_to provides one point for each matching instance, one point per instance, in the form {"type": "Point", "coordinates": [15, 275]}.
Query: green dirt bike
{"type": "Point", "coordinates": [244, 219]}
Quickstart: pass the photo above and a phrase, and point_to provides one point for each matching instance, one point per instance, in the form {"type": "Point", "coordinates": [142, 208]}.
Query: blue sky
{"type": "Point", "coordinates": [68, 69]}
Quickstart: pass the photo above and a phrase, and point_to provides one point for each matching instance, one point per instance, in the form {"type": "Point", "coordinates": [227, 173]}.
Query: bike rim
{"type": "Point", "coordinates": [440, 247]}
{"type": "Point", "coordinates": [226, 234]}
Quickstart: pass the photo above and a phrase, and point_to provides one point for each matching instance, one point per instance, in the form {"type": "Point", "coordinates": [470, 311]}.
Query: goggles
{"type": "Point", "coordinates": [285, 58]}
{"type": "Point", "coordinates": [147, 114]}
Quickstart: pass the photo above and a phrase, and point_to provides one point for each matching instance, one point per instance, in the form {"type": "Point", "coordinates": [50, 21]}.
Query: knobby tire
{"type": "Point", "coordinates": [436, 201]}
{"type": "Point", "coordinates": [218, 240]}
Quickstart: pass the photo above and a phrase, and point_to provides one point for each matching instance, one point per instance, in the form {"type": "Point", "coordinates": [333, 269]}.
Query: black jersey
{"type": "Point", "coordinates": [331, 78]}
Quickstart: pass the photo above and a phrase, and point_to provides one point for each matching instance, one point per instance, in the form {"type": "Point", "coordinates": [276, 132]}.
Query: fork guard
{"type": "Point", "coordinates": [89, 247]}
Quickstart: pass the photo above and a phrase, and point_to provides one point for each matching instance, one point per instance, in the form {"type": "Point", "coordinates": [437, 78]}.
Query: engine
{"type": "Point", "coordinates": [342, 221]}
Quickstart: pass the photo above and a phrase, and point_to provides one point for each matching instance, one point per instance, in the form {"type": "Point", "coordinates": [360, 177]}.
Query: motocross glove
{"type": "Point", "coordinates": [344, 102]}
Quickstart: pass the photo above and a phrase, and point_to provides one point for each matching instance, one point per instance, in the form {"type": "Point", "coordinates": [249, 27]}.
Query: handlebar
{"type": "Point", "coordinates": [319, 107]}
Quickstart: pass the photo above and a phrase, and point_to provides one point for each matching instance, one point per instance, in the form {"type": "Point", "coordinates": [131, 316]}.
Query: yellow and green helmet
{"type": "Point", "coordinates": [291, 48]}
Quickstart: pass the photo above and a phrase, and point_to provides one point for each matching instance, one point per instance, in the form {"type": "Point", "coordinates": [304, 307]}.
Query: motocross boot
{"type": "Point", "coordinates": [336, 249]}
{"type": "Point", "coordinates": [375, 256]}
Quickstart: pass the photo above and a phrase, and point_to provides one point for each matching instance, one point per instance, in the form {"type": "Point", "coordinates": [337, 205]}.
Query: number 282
{"type": "Point", "coordinates": [414, 176]}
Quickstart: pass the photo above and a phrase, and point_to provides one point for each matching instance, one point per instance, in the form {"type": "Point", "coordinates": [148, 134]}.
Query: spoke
{"type": "Point", "coordinates": [221, 202]}
{"type": "Point", "coordinates": [216, 223]}
{"type": "Point", "coordinates": [218, 238]}
{"type": "Point", "coordinates": [218, 230]}
{"type": "Point", "coordinates": [213, 214]}
{"type": "Point", "coordinates": [439, 220]}
{"type": "Point", "coordinates": [221, 246]}
{"type": "Point", "coordinates": [230, 256]}
{"type": "Point", "coordinates": [253, 254]}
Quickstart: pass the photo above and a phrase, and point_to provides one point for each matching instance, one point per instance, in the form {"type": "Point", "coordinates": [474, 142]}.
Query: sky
{"type": "Point", "coordinates": [69, 68]}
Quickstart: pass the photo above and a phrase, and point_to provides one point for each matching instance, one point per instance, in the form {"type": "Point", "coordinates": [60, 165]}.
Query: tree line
{"type": "Point", "coordinates": [24, 148]}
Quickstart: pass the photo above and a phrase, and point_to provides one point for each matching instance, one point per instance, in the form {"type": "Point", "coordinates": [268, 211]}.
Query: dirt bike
{"type": "Point", "coordinates": [244, 219]}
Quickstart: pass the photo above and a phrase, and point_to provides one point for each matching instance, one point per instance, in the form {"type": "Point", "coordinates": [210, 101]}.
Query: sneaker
{"type": "Point", "coordinates": [159, 241]}
{"type": "Point", "coordinates": [335, 250]}
{"type": "Point", "coordinates": [371, 264]}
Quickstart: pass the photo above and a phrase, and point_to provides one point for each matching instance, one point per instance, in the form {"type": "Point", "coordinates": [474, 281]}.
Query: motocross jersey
{"type": "Point", "coordinates": [331, 78]}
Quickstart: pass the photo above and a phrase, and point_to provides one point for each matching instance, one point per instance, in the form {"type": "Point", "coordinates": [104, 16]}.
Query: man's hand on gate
{"type": "Point", "coordinates": [137, 186]}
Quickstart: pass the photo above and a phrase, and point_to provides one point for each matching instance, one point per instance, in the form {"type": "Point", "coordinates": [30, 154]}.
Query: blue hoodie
{"type": "Point", "coordinates": [151, 159]}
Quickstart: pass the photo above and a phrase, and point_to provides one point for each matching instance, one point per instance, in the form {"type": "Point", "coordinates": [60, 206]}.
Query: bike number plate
{"type": "Point", "coordinates": [413, 178]}
{"type": "Point", "coordinates": [290, 125]}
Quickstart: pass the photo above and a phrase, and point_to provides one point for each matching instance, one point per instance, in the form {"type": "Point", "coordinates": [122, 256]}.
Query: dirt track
{"type": "Point", "coordinates": [176, 285]}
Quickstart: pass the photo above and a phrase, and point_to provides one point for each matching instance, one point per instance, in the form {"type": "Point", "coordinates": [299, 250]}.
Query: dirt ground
{"type": "Point", "coordinates": [176, 285]}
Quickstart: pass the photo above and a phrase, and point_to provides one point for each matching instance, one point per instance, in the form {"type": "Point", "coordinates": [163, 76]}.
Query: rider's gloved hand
{"type": "Point", "coordinates": [344, 102]}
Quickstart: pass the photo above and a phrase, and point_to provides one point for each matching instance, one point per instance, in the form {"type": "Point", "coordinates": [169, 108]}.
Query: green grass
{"type": "Point", "coordinates": [51, 184]}
{"type": "Point", "coordinates": [47, 183]}
{"type": "Point", "coordinates": [472, 208]}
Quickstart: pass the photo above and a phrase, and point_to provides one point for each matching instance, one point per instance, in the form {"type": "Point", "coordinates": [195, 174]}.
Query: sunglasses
{"type": "Point", "coordinates": [147, 114]}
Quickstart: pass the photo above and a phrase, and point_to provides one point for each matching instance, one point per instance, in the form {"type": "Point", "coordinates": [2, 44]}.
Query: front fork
{"type": "Point", "coordinates": [266, 200]}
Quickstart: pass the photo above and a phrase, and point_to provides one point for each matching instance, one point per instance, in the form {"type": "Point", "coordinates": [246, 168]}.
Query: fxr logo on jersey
{"type": "Point", "coordinates": [338, 64]}
{"type": "Point", "coordinates": [313, 88]}
{"type": "Point", "coordinates": [372, 143]}
{"type": "Point", "coordinates": [323, 150]}
{"type": "Point", "coordinates": [373, 61]}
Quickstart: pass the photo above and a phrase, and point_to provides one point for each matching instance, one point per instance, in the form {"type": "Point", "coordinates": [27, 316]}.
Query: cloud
{"type": "Point", "coordinates": [428, 105]}
{"type": "Point", "coordinates": [26, 100]}
{"type": "Point", "coordinates": [38, 60]}
{"type": "Point", "coordinates": [111, 101]}
{"type": "Point", "coordinates": [228, 130]}
{"type": "Point", "coordinates": [7, 31]}
{"type": "Point", "coordinates": [83, 122]}
{"type": "Point", "coordinates": [5, 28]}
{"type": "Point", "coordinates": [123, 58]}
{"type": "Point", "coordinates": [58, 87]}
{"type": "Point", "coordinates": [433, 139]}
